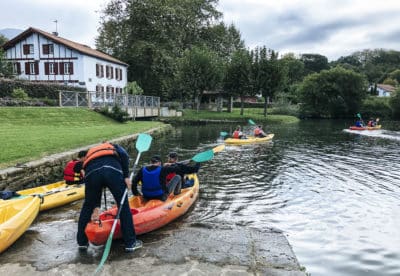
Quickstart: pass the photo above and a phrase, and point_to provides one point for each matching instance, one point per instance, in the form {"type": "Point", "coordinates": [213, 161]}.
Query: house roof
{"type": "Point", "coordinates": [386, 87]}
{"type": "Point", "coordinates": [84, 49]}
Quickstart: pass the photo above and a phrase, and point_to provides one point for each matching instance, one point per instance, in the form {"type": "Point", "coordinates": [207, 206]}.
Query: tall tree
{"type": "Point", "coordinates": [238, 77]}
{"type": "Point", "coordinates": [314, 63]}
{"type": "Point", "coordinates": [5, 66]}
{"type": "Point", "coordinates": [200, 69]}
{"type": "Point", "coordinates": [269, 74]}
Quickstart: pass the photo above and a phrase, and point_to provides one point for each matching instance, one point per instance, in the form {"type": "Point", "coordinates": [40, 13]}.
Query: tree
{"type": "Point", "coordinates": [5, 66]}
{"type": "Point", "coordinates": [333, 93]}
{"type": "Point", "coordinates": [238, 78]}
{"type": "Point", "coordinates": [269, 73]}
{"type": "Point", "coordinates": [133, 88]}
{"type": "Point", "coordinates": [151, 35]}
{"type": "Point", "coordinates": [200, 69]}
{"type": "Point", "coordinates": [314, 63]}
{"type": "Point", "coordinates": [394, 103]}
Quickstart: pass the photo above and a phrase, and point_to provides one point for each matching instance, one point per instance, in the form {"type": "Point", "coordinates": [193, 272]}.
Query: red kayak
{"type": "Point", "coordinates": [365, 128]}
{"type": "Point", "coordinates": [147, 215]}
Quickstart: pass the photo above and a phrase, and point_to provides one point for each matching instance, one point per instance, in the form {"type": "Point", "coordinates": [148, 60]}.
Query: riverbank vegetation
{"type": "Point", "coordinates": [31, 133]}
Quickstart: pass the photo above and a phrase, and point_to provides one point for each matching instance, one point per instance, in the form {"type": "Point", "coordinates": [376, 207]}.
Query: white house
{"type": "Point", "coordinates": [40, 56]}
{"type": "Point", "coordinates": [385, 90]}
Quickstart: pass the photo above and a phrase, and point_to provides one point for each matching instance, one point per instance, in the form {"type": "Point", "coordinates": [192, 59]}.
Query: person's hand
{"type": "Point", "coordinates": [128, 183]}
{"type": "Point", "coordinates": [96, 214]}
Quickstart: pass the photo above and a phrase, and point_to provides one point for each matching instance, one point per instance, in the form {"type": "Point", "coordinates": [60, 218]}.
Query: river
{"type": "Point", "coordinates": [334, 194]}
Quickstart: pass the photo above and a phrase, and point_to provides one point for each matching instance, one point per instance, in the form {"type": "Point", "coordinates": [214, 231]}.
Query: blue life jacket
{"type": "Point", "coordinates": [151, 186]}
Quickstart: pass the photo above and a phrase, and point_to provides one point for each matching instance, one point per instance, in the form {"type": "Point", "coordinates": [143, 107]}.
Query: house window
{"type": "Point", "coordinates": [31, 68]}
{"type": "Point", "coordinates": [99, 70]}
{"type": "Point", "coordinates": [48, 49]}
{"type": "Point", "coordinates": [66, 68]}
{"type": "Point", "coordinates": [17, 68]}
{"type": "Point", "coordinates": [27, 49]}
{"type": "Point", "coordinates": [50, 68]}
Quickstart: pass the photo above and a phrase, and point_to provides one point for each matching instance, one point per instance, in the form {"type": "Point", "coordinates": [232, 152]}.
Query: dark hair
{"type": "Point", "coordinates": [82, 153]}
{"type": "Point", "coordinates": [173, 155]}
{"type": "Point", "coordinates": [155, 159]}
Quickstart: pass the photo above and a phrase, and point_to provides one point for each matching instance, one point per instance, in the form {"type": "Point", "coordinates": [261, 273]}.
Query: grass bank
{"type": "Point", "coordinates": [256, 114]}
{"type": "Point", "coordinates": [31, 133]}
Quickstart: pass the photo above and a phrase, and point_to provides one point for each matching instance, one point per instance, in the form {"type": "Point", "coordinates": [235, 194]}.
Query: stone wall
{"type": "Point", "coordinates": [50, 168]}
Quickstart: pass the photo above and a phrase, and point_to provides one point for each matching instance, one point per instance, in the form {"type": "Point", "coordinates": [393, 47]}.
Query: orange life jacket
{"type": "Point", "coordinates": [99, 151]}
{"type": "Point", "coordinates": [70, 174]}
{"type": "Point", "coordinates": [236, 134]}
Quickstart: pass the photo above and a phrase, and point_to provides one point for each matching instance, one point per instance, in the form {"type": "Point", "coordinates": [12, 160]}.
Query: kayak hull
{"type": "Point", "coordinates": [147, 215]}
{"type": "Point", "coordinates": [56, 194]}
{"type": "Point", "coordinates": [365, 128]}
{"type": "Point", "coordinates": [249, 140]}
{"type": "Point", "coordinates": [15, 218]}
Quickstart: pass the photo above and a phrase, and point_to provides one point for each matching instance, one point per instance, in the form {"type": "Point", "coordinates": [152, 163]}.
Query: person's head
{"type": "Point", "coordinates": [82, 154]}
{"type": "Point", "coordinates": [172, 157]}
{"type": "Point", "coordinates": [259, 126]}
{"type": "Point", "coordinates": [155, 160]}
{"type": "Point", "coordinates": [238, 128]}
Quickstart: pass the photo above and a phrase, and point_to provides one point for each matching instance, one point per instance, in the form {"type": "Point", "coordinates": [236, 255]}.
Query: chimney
{"type": "Point", "coordinates": [55, 33]}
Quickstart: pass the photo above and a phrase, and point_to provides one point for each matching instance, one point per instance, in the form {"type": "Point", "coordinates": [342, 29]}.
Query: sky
{"type": "Point", "coordinates": [332, 28]}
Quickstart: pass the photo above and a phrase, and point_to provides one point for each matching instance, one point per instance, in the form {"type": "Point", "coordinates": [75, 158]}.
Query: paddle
{"type": "Point", "coordinates": [205, 155]}
{"type": "Point", "coordinates": [223, 133]}
{"type": "Point", "coordinates": [143, 143]}
{"type": "Point", "coordinates": [251, 122]}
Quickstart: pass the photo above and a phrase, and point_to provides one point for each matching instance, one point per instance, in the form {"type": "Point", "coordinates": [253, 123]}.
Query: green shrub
{"type": "Point", "coordinates": [19, 93]}
{"type": "Point", "coordinates": [116, 113]}
{"type": "Point", "coordinates": [374, 106]}
{"type": "Point", "coordinates": [394, 103]}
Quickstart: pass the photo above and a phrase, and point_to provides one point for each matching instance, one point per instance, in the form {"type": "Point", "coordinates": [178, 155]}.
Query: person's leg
{"type": "Point", "coordinates": [115, 182]}
{"type": "Point", "coordinates": [175, 185]}
{"type": "Point", "coordinates": [92, 191]}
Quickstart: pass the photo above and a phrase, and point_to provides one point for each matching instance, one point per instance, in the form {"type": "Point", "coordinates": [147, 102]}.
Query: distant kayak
{"type": "Point", "coordinates": [249, 140]}
{"type": "Point", "coordinates": [147, 215]}
{"type": "Point", "coordinates": [365, 128]}
{"type": "Point", "coordinates": [16, 215]}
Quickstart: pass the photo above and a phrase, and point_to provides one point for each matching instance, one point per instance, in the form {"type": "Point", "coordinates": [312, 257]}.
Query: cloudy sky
{"type": "Point", "coordinates": [329, 27]}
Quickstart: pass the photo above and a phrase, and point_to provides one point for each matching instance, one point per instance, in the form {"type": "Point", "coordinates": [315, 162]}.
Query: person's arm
{"type": "Point", "coordinates": [124, 157]}
{"type": "Point", "coordinates": [186, 169]}
{"type": "Point", "coordinates": [135, 181]}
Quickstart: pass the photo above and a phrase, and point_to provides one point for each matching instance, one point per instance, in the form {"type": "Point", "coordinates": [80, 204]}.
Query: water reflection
{"type": "Point", "coordinates": [335, 195]}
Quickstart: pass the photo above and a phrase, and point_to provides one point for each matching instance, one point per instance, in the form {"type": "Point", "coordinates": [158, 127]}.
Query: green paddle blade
{"type": "Point", "coordinates": [143, 142]}
{"type": "Point", "coordinates": [223, 133]}
{"type": "Point", "coordinates": [251, 122]}
{"type": "Point", "coordinates": [359, 115]}
{"type": "Point", "coordinates": [203, 156]}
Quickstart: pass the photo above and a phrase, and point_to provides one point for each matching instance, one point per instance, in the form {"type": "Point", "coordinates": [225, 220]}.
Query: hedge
{"type": "Point", "coordinates": [34, 89]}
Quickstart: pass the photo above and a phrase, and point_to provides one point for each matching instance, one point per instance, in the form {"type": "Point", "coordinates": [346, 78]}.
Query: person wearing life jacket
{"type": "Point", "coordinates": [258, 132]}
{"type": "Point", "coordinates": [73, 172]}
{"type": "Point", "coordinates": [173, 161]}
{"type": "Point", "coordinates": [153, 178]}
{"type": "Point", "coordinates": [238, 134]}
{"type": "Point", "coordinates": [107, 165]}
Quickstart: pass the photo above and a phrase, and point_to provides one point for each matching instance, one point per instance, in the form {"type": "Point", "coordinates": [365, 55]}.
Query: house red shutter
{"type": "Point", "coordinates": [27, 68]}
{"type": "Point", "coordinates": [97, 70]}
{"type": "Point", "coordinates": [25, 48]}
{"type": "Point", "coordinates": [55, 68]}
{"type": "Point", "coordinates": [46, 68]}
{"type": "Point", "coordinates": [111, 72]}
{"type": "Point", "coordinates": [116, 73]}
{"type": "Point", "coordinates": [101, 71]}
{"type": "Point", "coordinates": [45, 49]}
{"type": "Point", "coordinates": [120, 74]}
{"type": "Point", "coordinates": [71, 68]}
{"type": "Point", "coordinates": [18, 68]}
{"type": "Point", "coordinates": [36, 68]}
{"type": "Point", "coordinates": [61, 68]}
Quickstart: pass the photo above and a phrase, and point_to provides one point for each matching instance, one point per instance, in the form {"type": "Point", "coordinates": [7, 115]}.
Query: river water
{"type": "Point", "coordinates": [334, 194]}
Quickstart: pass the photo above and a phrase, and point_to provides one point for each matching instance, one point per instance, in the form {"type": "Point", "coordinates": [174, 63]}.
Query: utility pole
{"type": "Point", "coordinates": [56, 32]}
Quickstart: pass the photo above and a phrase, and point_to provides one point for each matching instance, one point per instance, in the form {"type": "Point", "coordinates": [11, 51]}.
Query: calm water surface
{"type": "Point", "coordinates": [334, 194]}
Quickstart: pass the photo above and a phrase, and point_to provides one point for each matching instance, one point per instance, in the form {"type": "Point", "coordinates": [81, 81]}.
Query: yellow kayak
{"type": "Point", "coordinates": [249, 140]}
{"type": "Point", "coordinates": [16, 215]}
{"type": "Point", "coordinates": [56, 194]}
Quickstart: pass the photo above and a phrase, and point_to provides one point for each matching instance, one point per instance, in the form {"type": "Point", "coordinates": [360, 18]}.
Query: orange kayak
{"type": "Point", "coordinates": [147, 215]}
{"type": "Point", "coordinates": [365, 128]}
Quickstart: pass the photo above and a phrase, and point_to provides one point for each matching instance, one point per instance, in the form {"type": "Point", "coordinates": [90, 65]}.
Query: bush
{"type": "Point", "coordinates": [116, 113]}
{"type": "Point", "coordinates": [394, 103]}
{"type": "Point", "coordinates": [374, 106]}
{"type": "Point", "coordinates": [19, 93]}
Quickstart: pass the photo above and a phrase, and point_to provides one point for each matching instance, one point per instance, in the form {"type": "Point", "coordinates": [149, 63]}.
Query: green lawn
{"type": "Point", "coordinates": [256, 114]}
{"type": "Point", "coordinates": [30, 133]}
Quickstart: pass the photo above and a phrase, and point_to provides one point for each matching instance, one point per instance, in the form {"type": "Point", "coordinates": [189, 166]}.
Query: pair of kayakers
{"type": "Point", "coordinates": [258, 132]}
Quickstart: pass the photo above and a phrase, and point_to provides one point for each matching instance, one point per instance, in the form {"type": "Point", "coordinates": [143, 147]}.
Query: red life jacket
{"type": "Point", "coordinates": [98, 151]}
{"type": "Point", "coordinates": [236, 134]}
{"type": "Point", "coordinates": [169, 177]}
{"type": "Point", "coordinates": [69, 174]}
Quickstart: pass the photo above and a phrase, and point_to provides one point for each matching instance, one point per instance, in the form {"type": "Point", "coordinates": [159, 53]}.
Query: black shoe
{"type": "Point", "coordinates": [83, 247]}
{"type": "Point", "coordinates": [138, 244]}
